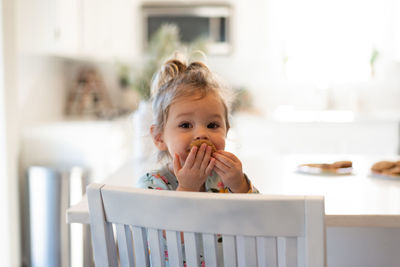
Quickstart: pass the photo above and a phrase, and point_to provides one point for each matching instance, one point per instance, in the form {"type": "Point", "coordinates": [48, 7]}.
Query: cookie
{"type": "Point", "coordinates": [199, 142]}
{"type": "Point", "coordinates": [342, 164]}
{"type": "Point", "coordinates": [382, 165]}
{"type": "Point", "coordinates": [318, 165]}
{"type": "Point", "coordinates": [392, 171]}
{"type": "Point", "coordinates": [335, 165]}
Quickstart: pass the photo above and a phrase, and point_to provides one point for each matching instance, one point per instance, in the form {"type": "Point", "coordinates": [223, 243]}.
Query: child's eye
{"type": "Point", "coordinates": [213, 125]}
{"type": "Point", "coordinates": [184, 125]}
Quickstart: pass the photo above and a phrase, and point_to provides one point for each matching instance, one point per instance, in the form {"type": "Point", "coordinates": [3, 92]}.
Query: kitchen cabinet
{"type": "Point", "coordinates": [108, 29]}
{"type": "Point", "coordinates": [99, 147]}
{"type": "Point", "coordinates": [96, 145]}
{"type": "Point", "coordinates": [49, 26]}
{"type": "Point", "coordinates": [97, 27]}
{"type": "Point", "coordinates": [79, 29]}
{"type": "Point", "coordinates": [67, 30]}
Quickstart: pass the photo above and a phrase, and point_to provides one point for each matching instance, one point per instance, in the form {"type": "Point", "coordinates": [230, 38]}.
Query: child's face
{"type": "Point", "coordinates": [191, 118]}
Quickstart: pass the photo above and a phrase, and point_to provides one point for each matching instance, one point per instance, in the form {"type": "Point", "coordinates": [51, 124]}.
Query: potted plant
{"type": "Point", "coordinates": [161, 45]}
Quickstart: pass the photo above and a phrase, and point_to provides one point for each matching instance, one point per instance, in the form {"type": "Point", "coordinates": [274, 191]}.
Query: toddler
{"type": "Point", "coordinates": [190, 104]}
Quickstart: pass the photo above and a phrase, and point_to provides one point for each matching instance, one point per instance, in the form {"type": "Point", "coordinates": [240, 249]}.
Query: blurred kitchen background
{"type": "Point", "coordinates": [311, 76]}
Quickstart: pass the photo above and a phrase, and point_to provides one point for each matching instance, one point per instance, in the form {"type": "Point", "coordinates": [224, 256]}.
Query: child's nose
{"type": "Point", "coordinates": [201, 134]}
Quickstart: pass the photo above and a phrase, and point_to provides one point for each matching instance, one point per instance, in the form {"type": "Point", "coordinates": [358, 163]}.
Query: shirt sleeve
{"type": "Point", "coordinates": [152, 181]}
{"type": "Point", "coordinates": [252, 189]}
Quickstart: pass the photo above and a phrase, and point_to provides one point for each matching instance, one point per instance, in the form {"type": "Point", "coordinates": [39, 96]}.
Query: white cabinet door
{"type": "Point", "coordinates": [108, 29]}
{"type": "Point", "coordinates": [90, 29]}
{"type": "Point", "coordinates": [68, 31]}
{"type": "Point", "coordinates": [96, 27]}
{"type": "Point", "coordinates": [49, 26]}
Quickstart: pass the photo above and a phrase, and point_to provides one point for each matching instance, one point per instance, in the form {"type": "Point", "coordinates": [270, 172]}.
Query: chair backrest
{"type": "Point", "coordinates": [256, 229]}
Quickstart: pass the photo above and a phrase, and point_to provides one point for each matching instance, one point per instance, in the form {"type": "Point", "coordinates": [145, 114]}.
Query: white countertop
{"type": "Point", "coordinates": [359, 199]}
{"type": "Point", "coordinates": [350, 200]}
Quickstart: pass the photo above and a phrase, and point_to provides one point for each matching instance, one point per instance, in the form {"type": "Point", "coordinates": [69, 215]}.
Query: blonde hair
{"type": "Point", "coordinates": [177, 79]}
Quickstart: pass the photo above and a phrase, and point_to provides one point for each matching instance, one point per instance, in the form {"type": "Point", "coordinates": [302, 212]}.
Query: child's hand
{"type": "Point", "coordinates": [197, 167]}
{"type": "Point", "coordinates": [229, 168]}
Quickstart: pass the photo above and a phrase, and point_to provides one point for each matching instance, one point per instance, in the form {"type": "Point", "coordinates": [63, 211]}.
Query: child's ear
{"type": "Point", "coordinates": [158, 138]}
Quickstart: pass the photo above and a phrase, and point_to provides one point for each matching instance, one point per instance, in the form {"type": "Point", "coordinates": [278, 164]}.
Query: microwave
{"type": "Point", "coordinates": [210, 21]}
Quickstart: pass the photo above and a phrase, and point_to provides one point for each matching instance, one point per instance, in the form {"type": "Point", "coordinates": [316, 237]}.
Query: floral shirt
{"type": "Point", "coordinates": [164, 179]}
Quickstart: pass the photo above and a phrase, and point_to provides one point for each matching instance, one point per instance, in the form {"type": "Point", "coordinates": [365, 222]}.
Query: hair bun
{"type": "Point", "coordinates": [197, 65]}
{"type": "Point", "coordinates": [172, 68]}
{"type": "Point", "coordinates": [169, 70]}
{"type": "Point", "coordinates": [176, 68]}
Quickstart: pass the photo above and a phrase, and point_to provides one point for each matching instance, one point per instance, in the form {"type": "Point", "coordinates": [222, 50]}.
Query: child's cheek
{"type": "Point", "coordinates": [220, 145]}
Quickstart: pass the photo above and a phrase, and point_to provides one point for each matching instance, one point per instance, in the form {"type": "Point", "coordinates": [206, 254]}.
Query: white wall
{"type": "Point", "coordinates": [9, 228]}
{"type": "Point", "coordinates": [41, 90]}
{"type": "Point", "coordinates": [38, 97]}
{"type": "Point", "coordinates": [247, 65]}
{"type": "Point", "coordinates": [256, 61]}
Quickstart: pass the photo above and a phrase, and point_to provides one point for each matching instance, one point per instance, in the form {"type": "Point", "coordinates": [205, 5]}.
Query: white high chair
{"type": "Point", "coordinates": [256, 229]}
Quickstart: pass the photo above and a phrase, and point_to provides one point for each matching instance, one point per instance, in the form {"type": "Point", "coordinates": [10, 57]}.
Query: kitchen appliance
{"type": "Point", "coordinates": [202, 20]}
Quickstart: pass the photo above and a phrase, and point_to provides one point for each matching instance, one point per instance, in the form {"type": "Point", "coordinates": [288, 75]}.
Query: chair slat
{"type": "Point", "coordinates": [140, 244]}
{"type": "Point", "coordinates": [174, 245]}
{"type": "Point", "coordinates": [210, 249]}
{"type": "Point", "coordinates": [301, 253]}
{"type": "Point", "coordinates": [156, 248]}
{"type": "Point", "coordinates": [125, 245]}
{"type": "Point", "coordinates": [291, 251]}
{"type": "Point", "coordinates": [229, 250]}
{"type": "Point", "coordinates": [281, 246]}
{"type": "Point", "coordinates": [191, 250]}
{"type": "Point", "coordinates": [246, 251]}
{"type": "Point", "coordinates": [102, 233]}
{"type": "Point", "coordinates": [287, 251]}
{"type": "Point", "coordinates": [315, 232]}
{"type": "Point", "coordinates": [267, 251]}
